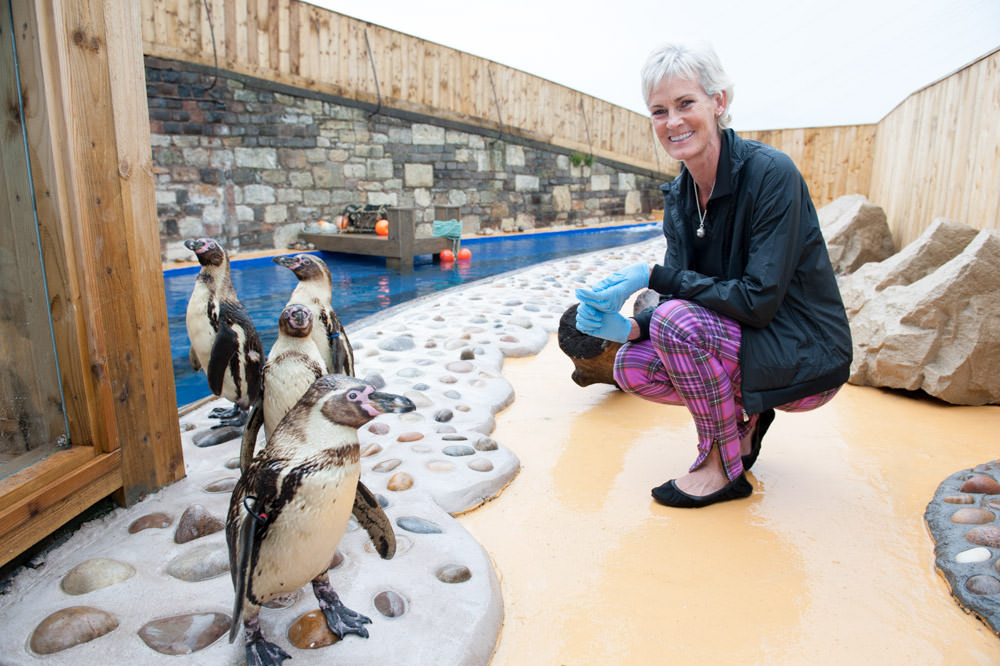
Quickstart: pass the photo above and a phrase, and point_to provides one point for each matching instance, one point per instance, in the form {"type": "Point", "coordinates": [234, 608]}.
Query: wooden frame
{"type": "Point", "coordinates": [86, 120]}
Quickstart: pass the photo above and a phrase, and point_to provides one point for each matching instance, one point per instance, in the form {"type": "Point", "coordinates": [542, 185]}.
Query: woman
{"type": "Point", "coordinates": [750, 316]}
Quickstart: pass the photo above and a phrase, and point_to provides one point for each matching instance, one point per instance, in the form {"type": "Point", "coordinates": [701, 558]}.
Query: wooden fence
{"type": "Point", "coordinates": [298, 44]}
{"type": "Point", "coordinates": [938, 153]}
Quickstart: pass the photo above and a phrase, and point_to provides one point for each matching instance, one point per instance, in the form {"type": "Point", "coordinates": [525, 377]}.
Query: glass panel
{"type": "Point", "coordinates": [32, 422]}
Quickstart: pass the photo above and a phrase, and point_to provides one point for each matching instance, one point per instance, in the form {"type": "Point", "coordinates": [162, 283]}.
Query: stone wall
{"type": "Point", "coordinates": [252, 163]}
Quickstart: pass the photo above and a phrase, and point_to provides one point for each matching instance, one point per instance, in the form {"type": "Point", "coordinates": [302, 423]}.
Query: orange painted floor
{"type": "Point", "coordinates": [828, 562]}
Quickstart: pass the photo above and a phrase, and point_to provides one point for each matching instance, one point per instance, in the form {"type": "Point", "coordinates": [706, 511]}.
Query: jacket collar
{"type": "Point", "coordinates": [732, 155]}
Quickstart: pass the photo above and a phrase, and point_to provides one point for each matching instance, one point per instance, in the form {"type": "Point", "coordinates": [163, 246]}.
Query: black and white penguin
{"type": "Point", "coordinates": [315, 289]}
{"type": "Point", "coordinates": [290, 508]}
{"type": "Point", "coordinates": [224, 342]}
{"type": "Point", "coordinates": [293, 364]}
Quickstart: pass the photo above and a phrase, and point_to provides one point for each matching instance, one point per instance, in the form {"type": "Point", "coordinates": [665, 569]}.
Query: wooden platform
{"type": "Point", "coordinates": [398, 247]}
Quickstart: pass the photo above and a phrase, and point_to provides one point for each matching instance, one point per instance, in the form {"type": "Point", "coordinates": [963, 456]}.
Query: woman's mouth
{"type": "Point", "coordinates": [681, 137]}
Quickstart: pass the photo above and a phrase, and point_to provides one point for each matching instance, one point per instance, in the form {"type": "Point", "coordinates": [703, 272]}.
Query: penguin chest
{"type": "Point", "coordinates": [200, 328]}
{"type": "Point", "coordinates": [302, 538]}
{"type": "Point", "coordinates": [286, 379]}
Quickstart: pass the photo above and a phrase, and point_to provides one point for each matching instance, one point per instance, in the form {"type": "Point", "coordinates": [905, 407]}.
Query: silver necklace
{"type": "Point", "coordinates": [700, 232]}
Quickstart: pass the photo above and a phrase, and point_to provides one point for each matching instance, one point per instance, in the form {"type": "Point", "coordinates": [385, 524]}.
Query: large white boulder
{"type": "Point", "coordinates": [856, 232]}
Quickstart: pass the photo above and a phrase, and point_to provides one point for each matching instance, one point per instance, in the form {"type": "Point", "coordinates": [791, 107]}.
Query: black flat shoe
{"type": "Point", "coordinates": [670, 495]}
{"type": "Point", "coordinates": [763, 423]}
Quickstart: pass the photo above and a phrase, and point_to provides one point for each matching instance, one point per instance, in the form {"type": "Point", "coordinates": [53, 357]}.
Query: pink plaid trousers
{"type": "Point", "coordinates": [692, 358]}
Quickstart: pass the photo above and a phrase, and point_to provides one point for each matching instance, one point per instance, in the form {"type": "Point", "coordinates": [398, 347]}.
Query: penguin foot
{"type": "Point", "coordinates": [224, 413]}
{"type": "Point", "coordinates": [259, 650]}
{"type": "Point", "coordinates": [341, 619]}
{"type": "Point", "coordinates": [238, 420]}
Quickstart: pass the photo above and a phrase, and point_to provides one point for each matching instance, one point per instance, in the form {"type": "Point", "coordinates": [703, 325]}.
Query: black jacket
{"type": "Point", "coordinates": [772, 273]}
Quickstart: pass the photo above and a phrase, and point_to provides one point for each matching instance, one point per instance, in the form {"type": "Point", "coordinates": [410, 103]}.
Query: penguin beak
{"type": "Point", "coordinates": [287, 260]}
{"type": "Point", "coordinates": [193, 244]}
{"type": "Point", "coordinates": [390, 403]}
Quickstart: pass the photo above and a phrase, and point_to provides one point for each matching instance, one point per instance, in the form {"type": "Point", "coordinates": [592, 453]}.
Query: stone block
{"type": "Point", "coordinates": [256, 158]}
{"type": "Point", "coordinates": [197, 157]}
{"type": "Point", "coordinates": [291, 159]}
{"type": "Point", "coordinates": [301, 179]}
{"type": "Point", "coordinates": [939, 333]}
{"type": "Point", "coordinates": [316, 197]}
{"type": "Point", "coordinates": [633, 202]}
{"type": "Point", "coordinates": [383, 199]}
{"type": "Point", "coordinates": [562, 199]}
{"type": "Point", "coordinates": [331, 176]}
{"type": "Point", "coordinates": [524, 221]}
{"type": "Point", "coordinates": [275, 214]}
{"type": "Point", "coordinates": [514, 155]}
{"type": "Point", "coordinates": [856, 232]}
{"type": "Point", "coordinates": [258, 194]}
{"type": "Point", "coordinates": [600, 182]}
{"type": "Point", "coordinates": [525, 183]}
{"type": "Point", "coordinates": [379, 169]}
{"type": "Point", "coordinates": [421, 197]}
{"type": "Point", "coordinates": [458, 197]}
{"type": "Point", "coordinates": [427, 135]}
{"type": "Point", "coordinates": [287, 235]}
{"type": "Point", "coordinates": [355, 171]}
{"type": "Point", "coordinates": [626, 181]}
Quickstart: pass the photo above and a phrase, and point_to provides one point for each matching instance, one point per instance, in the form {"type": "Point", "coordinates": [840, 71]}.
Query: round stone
{"type": "Point", "coordinates": [387, 465]}
{"type": "Point", "coordinates": [979, 554]}
{"type": "Point", "coordinates": [448, 379]}
{"type": "Point", "coordinates": [411, 417]}
{"type": "Point", "coordinates": [221, 485]}
{"type": "Point", "coordinates": [411, 436]}
{"type": "Point", "coordinates": [440, 466]}
{"type": "Point", "coordinates": [232, 463]}
{"type": "Point", "coordinates": [150, 520]}
{"type": "Point", "coordinates": [371, 449]}
{"type": "Point", "coordinates": [458, 450]}
{"type": "Point", "coordinates": [454, 573]}
{"type": "Point", "coordinates": [487, 444]}
{"type": "Point", "coordinates": [418, 398]}
{"type": "Point", "coordinates": [972, 516]}
{"type": "Point", "coordinates": [397, 344]}
{"type": "Point", "coordinates": [421, 387]}
{"type": "Point", "coordinates": [410, 373]}
{"type": "Point", "coordinates": [200, 563]}
{"type": "Point", "coordinates": [95, 574]}
{"type": "Point", "coordinates": [184, 634]}
{"type": "Point", "coordinates": [376, 380]}
{"type": "Point", "coordinates": [421, 448]}
{"type": "Point", "coordinates": [311, 631]}
{"type": "Point", "coordinates": [443, 415]}
{"type": "Point", "coordinates": [481, 465]}
{"type": "Point", "coordinates": [453, 437]}
{"type": "Point", "coordinates": [454, 395]}
{"type": "Point", "coordinates": [424, 361]}
{"type": "Point", "coordinates": [400, 481]}
{"type": "Point", "coordinates": [959, 499]}
{"type": "Point", "coordinates": [509, 338]}
{"type": "Point", "coordinates": [430, 344]}
{"type": "Point", "coordinates": [460, 366]}
{"type": "Point", "coordinates": [378, 428]}
{"type": "Point", "coordinates": [983, 584]}
{"type": "Point", "coordinates": [445, 428]}
{"type": "Point", "coordinates": [195, 523]}
{"type": "Point", "coordinates": [71, 626]}
{"type": "Point", "coordinates": [462, 408]}
{"type": "Point", "coordinates": [467, 355]}
{"type": "Point", "coordinates": [986, 485]}
{"type": "Point", "coordinates": [390, 603]}
{"type": "Point", "coordinates": [987, 535]}
{"type": "Point", "coordinates": [418, 525]}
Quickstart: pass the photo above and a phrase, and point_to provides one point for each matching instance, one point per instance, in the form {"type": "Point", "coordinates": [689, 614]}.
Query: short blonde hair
{"type": "Point", "coordinates": [693, 62]}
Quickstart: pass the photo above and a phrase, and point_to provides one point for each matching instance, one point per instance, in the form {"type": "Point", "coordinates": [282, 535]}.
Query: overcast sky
{"type": "Point", "coordinates": [795, 63]}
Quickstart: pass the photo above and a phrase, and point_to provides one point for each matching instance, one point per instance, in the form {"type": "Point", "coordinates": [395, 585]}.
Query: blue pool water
{"type": "Point", "coordinates": [362, 286]}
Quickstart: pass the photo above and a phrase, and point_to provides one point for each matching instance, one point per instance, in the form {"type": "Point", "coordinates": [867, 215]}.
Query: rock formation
{"type": "Point", "coordinates": [856, 232]}
{"type": "Point", "coordinates": [929, 318]}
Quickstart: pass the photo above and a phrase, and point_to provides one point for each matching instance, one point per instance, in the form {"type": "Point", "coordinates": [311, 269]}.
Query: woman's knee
{"type": "Point", "coordinates": [673, 320]}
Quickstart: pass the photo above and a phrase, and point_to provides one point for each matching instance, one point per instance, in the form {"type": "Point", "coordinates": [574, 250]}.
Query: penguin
{"type": "Point", "coordinates": [224, 341]}
{"type": "Point", "coordinates": [293, 364]}
{"type": "Point", "coordinates": [290, 508]}
{"type": "Point", "coordinates": [315, 289]}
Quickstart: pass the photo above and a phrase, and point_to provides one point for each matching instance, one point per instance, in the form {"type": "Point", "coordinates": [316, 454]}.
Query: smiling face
{"type": "Point", "coordinates": [685, 121]}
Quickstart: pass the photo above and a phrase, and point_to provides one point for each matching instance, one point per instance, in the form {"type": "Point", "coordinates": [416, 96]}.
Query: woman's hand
{"type": "Point", "coordinates": [608, 325]}
{"type": "Point", "coordinates": [609, 294]}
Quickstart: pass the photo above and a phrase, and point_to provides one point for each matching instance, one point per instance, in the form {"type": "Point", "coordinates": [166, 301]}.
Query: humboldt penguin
{"type": "Point", "coordinates": [315, 289]}
{"type": "Point", "coordinates": [293, 364]}
{"type": "Point", "coordinates": [290, 508]}
{"type": "Point", "coordinates": [224, 341]}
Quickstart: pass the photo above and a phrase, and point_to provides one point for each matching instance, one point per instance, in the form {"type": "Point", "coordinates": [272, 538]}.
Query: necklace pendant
{"type": "Point", "coordinates": [700, 232]}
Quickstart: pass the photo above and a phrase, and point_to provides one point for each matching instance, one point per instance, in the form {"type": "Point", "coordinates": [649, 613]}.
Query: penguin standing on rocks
{"type": "Point", "coordinates": [315, 290]}
{"type": "Point", "coordinates": [293, 364]}
{"type": "Point", "coordinates": [224, 341]}
{"type": "Point", "coordinates": [290, 508]}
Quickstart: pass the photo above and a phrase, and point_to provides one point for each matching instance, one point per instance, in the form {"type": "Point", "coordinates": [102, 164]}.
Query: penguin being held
{"type": "Point", "coordinates": [315, 290]}
{"type": "Point", "coordinates": [293, 364]}
{"type": "Point", "coordinates": [224, 341]}
{"type": "Point", "coordinates": [291, 506]}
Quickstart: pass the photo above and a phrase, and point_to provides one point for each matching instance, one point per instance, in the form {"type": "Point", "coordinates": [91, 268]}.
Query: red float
{"type": "Point", "coordinates": [382, 227]}
{"type": "Point", "coordinates": [447, 256]}
{"type": "Point", "coordinates": [465, 254]}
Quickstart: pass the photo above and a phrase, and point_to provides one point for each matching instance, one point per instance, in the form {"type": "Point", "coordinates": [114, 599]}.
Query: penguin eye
{"type": "Point", "coordinates": [352, 396]}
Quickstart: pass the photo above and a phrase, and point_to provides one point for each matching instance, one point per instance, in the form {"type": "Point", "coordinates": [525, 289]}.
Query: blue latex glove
{"type": "Point", "coordinates": [609, 294]}
{"type": "Point", "coordinates": [607, 325]}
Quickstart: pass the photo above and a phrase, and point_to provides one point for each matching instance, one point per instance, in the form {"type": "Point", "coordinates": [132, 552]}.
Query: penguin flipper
{"type": "Point", "coordinates": [371, 517]}
{"type": "Point", "coordinates": [346, 354]}
{"type": "Point", "coordinates": [241, 573]}
{"type": "Point", "coordinates": [193, 358]}
{"type": "Point", "coordinates": [223, 349]}
{"type": "Point", "coordinates": [249, 442]}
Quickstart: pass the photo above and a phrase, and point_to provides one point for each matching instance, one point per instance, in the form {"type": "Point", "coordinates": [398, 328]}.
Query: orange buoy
{"type": "Point", "coordinates": [465, 254]}
{"type": "Point", "coordinates": [342, 222]}
{"type": "Point", "coordinates": [382, 227]}
{"type": "Point", "coordinates": [447, 256]}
